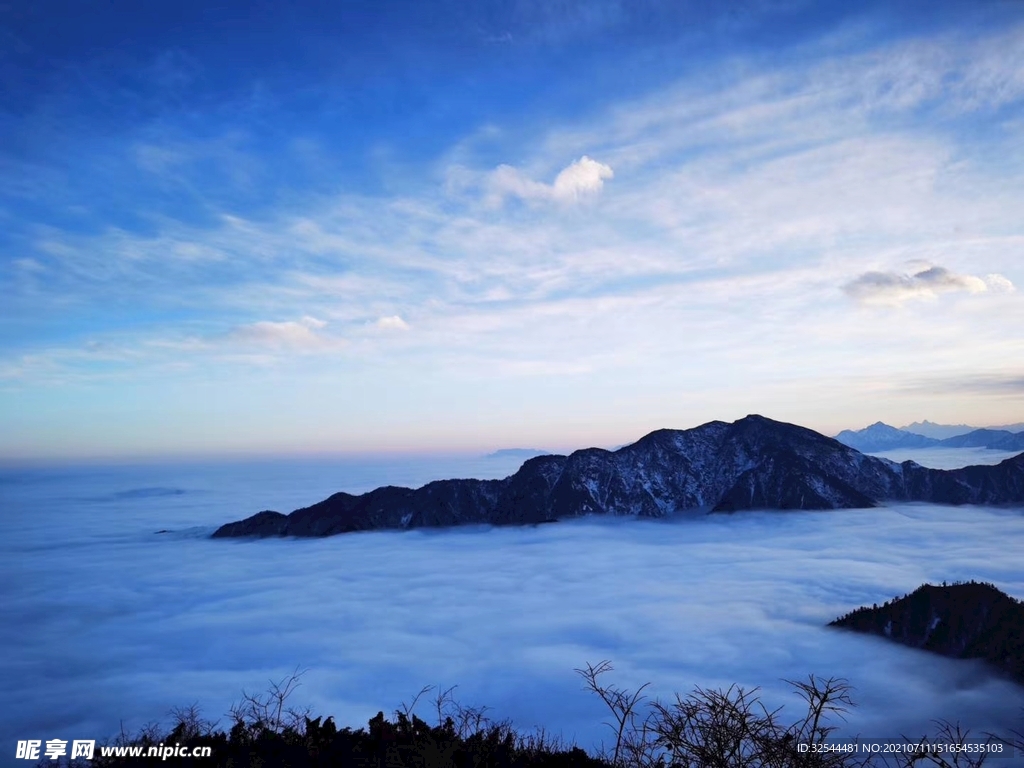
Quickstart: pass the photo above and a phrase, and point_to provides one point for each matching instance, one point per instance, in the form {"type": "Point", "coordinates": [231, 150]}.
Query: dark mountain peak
{"type": "Point", "coordinates": [755, 423]}
{"type": "Point", "coordinates": [755, 418]}
{"type": "Point", "coordinates": [752, 463]}
{"type": "Point", "coordinates": [262, 524]}
{"type": "Point", "coordinates": [763, 422]}
{"type": "Point", "coordinates": [550, 460]}
{"type": "Point", "coordinates": [658, 436]}
{"type": "Point", "coordinates": [962, 591]}
{"type": "Point", "coordinates": [770, 438]}
{"type": "Point", "coordinates": [964, 620]}
{"type": "Point", "coordinates": [666, 437]}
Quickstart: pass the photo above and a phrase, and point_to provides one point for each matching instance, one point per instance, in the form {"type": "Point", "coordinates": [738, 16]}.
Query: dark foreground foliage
{"type": "Point", "coordinates": [707, 729]}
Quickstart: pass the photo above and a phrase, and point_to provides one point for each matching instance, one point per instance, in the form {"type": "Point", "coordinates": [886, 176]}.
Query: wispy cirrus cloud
{"type": "Point", "coordinates": [738, 215]}
{"type": "Point", "coordinates": [262, 343]}
{"type": "Point", "coordinates": [305, 334]}
{"type": "Point", "coordinates": [1008, 384]}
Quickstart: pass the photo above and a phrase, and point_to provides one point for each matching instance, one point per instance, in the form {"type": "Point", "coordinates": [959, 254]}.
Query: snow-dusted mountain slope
{"type": "Point", "coordinates": [753, 463]}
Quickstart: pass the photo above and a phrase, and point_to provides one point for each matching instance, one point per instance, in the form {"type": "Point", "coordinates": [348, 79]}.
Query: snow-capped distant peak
{"type": "Point", "coordinates": [882, 437]}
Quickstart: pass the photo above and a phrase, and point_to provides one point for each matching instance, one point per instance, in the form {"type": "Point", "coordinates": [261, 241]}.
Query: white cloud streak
{"type": "Point", "coordinates": [896, 288]}
{"type": "Point", "coordinates": [302, 334]}
{"type": "Point", "coordinates": [580, 179]}
{"type": "Point", "coordinates": [392, 323]}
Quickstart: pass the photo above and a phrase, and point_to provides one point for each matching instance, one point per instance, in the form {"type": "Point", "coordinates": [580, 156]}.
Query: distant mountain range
{"type": "Point", "coordinates": [965, 621]}
{"type": "Point", "coordinates": [882, 437]}
{"type": "Point", "coordinates": [753, 463]}
{"type": "Point", "coordinates": [942, 431]}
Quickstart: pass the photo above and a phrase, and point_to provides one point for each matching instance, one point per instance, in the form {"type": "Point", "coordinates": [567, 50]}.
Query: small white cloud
{"type": "Point", "coordinates": [581, 178]}
{"type": "Point", "coordinates": [301, 334]}
{"type": "Point", "coordinates": [895, 287]}
{"type": "Point", "coordinates": [999, 284]}
{"type": "Point", "coordinates": [940, 279]}
{"type": "Point", "coordinates": [392, 323]}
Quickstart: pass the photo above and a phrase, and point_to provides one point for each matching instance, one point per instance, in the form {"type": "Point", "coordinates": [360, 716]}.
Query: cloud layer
{"type": "Point", "coordinates": [135, 623]}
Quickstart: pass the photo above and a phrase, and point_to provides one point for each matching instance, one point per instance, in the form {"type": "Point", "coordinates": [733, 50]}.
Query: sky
{"type": "Point", "coordinates": [132, 625]}
{"type": "Point", "coordinates": [372, 227]}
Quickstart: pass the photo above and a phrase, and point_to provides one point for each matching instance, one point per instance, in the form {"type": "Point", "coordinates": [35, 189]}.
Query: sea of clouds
{"type": "Point", "coordinates": [106, 622]}
{"type": "Point", "coordinates": [947, 458]}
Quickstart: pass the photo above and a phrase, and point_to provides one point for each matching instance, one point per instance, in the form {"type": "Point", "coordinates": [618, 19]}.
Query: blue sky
{"type": "Point", "coordinates": [412, 226]}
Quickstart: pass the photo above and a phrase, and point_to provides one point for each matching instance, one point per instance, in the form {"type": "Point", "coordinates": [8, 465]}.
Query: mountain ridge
{"type": "Point", "coordinates": [942, 431]}
{"type": "Point", "coordinates": [879, 437]}
{"type": "Point", "coordinates": [883, 437]}
{"type": "Point", "coordinates": [753, 463]}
